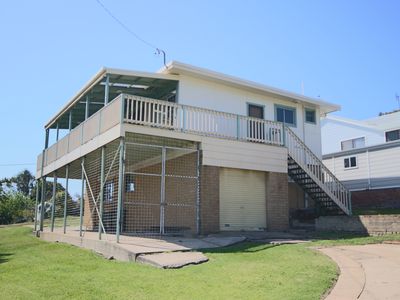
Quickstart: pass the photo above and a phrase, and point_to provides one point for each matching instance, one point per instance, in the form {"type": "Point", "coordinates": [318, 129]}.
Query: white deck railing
{"type": "Point", "coordinates": [314, 167]}
{"type": "Point", "coordinates": [190, 119]}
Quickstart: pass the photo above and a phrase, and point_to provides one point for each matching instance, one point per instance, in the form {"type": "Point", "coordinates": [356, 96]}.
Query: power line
{"type": "Point", "coordinates": [123, 25]}
{"type": "Point", "coordinates": [12, 165]}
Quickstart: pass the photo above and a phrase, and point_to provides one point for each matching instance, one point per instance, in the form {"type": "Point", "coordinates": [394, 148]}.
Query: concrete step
{"type": "Point", "coordinates": [172, 260]}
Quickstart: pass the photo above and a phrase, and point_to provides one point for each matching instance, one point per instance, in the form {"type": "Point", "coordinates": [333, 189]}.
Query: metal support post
{"type": "Point", "coordinates": [70, 121]}
{"type": "Point", "coordinates": [106, 90]}
{"type": "Point", "coordinates": [101, 196]}
{"type": "Point", "coordinates": [37, 202]}
{"type": "Point", "coordinates": [43, 200]}
{"type": "Point", "coordinates": [57, 132]}
{"type": "Point", "coordinates": [46, 140]}
{"type": "Point", "coordinates": [237, 127]}
{"type": "Point", "coordinates": [198, 217]}
{"type": "Point", "coordinates": [120, 185]}
{"type": "Point", "coordinates": [53, 205]}
{"type": "Point", "coordinates": [66, 197]}
{"type": "Point", "coordinates": [82, 197]}
{"type": "Point", "coordinates": [162, 196]}
{"type": "Point", "coordinates": [87, 107]}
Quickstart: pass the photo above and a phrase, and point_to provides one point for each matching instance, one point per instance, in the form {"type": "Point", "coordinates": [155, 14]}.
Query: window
{"type": "Point", "coordinates": [286, 115]}
{"type": "Point", "coordinates": [256, 111]}
{"type": "Point", "coordinates": [108, 191]}
{"type": "Point", "coordinates": [392, 135]}
{"type": "Point", "coordinates": [353, 144]}
{"type": "Point", "coordinates": [310, 115]}
{"type": "Point", "coordinates": [129, 183]}
{"type": "Point", "coordinates": [255, 129]}
{"type": "Point", "coordinates": [350, 162]}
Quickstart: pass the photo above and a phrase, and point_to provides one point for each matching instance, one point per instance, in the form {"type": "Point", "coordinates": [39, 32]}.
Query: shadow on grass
{"type": "Point", "coordinates": [243, 247]}
{"type": "Point", "coordinates": [4, 257]}
{"type": "Point", "coordinates": [332, 235]}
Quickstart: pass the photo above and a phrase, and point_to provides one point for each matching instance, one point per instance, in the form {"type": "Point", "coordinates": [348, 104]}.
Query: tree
{"type": "Point", "coordinates": [16, 207]}
{"type": "Point", "coordinates": [23, 182]}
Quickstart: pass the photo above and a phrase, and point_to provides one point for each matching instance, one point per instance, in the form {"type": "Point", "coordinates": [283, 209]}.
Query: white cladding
{"type": "Point", "coordinates": [218, 96]}
{"type": "Point", "coordinates": [337, 129]}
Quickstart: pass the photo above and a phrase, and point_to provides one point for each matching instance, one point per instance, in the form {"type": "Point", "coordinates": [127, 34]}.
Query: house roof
{"type": "Point", "coordinates": [176, 68]}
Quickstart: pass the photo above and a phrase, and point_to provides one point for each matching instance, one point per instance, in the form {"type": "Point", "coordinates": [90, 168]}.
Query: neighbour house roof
{"type": "Point", "coordinates": [170, 76]}
{"type": "Point", "coordinates": [379, 123]}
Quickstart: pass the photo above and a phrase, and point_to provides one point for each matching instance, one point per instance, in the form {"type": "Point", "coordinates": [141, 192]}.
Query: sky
{"type": "Point", "coordinates": [345, 52]}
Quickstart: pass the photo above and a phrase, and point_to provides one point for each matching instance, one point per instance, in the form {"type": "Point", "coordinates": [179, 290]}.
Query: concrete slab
{"type": "Point", "coordinates": [130, 248]}
{"type": "Point", "coordinates": [172, 260]}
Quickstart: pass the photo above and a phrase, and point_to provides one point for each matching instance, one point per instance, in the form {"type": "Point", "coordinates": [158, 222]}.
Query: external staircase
{"type": "Point", "coordinates": [308, 171]}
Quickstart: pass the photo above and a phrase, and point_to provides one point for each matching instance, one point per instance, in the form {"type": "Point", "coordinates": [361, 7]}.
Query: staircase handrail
{"type": "Point", "coordinates": [335, 189]}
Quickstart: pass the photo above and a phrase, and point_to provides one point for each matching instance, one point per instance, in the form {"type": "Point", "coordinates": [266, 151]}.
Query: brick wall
{"type": "Point", "coordinates": [380, 198]}
{"type": "Point", "coordinates": [209, 199]}
{"type": "Point", "coordinates": [277, 201]}
{"type": "Point", "coordinates": [359, 224]}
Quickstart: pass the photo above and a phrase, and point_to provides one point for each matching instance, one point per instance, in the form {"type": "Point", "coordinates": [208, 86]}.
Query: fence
{"type": "Point", "coordinates": [150, 189]}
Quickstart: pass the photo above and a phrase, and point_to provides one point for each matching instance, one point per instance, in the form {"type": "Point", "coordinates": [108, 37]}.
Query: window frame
{"type": "Point", "coordinates": [349, 158]}
{"type": "Point", "coordinates": [391, 130]}
{"type": "Point", "coordinates": [291, 108]}
{"type": "Point", "coordinates": [352, 139]}
{"type": "Point", "coordinates": [108, 191]}
{"type": "Point", "coordinates": [307, 109]}
{"type": "Point", "coordinates": [248, 104]}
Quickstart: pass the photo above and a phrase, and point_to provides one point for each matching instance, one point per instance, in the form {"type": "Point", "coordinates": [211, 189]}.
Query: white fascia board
{"type": "Point", "coordinates": [175, 67]}
{"type": "Point", "coordinates": [361, 124]}
{"type": "Point", "coordinates": [97, 78]}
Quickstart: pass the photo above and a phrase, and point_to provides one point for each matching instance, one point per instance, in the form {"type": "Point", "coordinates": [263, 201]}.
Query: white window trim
{"type": "Point", "coordinates": [350, 139]}
{"type": "Point", "coordinates": [315, 112]}
{"type": "Point", "coordinates": [350, 168]}
{"type": "Point", "coordinates": [384, 135]}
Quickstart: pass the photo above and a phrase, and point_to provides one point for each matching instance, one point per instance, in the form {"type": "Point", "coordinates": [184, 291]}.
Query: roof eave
{"type": "Point", "coordinates": [178, 67]}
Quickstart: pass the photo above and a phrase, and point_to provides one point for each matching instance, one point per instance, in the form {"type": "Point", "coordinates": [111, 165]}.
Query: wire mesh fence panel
{"type": "Point", "coordinates": [161, 190]}
{"type": "Point", "coordinates": [108, 204]}
{"type": "Point", "coordinates": [91, 192]}
{"type": "Point", "coordinates": [72, 196]}
{"type": "Point", "coordinates": [101, 190]}
{"type": "Point", "coordinates": [143, 170]}
{"type": "Point", "coordinates": [181, 191]}
{"type": "Point", "coordinates": [46, 200]}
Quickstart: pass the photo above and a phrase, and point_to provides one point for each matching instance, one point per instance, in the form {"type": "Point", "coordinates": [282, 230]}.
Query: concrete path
{"type": "Point", "coordinates": [366, 272]}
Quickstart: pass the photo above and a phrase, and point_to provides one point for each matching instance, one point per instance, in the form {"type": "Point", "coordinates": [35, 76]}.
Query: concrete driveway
{"type": "Point", "coordinates": [366, 272]}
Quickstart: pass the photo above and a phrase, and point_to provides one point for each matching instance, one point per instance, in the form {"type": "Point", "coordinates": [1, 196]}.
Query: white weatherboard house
{"type": "Point", "coordinates": [186, 150]}
{"type": "Point", "coordinates": [365, 156]}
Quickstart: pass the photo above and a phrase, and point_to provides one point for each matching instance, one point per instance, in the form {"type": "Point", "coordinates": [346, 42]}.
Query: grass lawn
{"type": "Point", "coordinates": [33, 269]}
{"type": "Point", "coordinates": [376, 211]}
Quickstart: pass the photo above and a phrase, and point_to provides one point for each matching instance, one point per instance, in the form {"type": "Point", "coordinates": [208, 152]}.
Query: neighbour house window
{"type": "Point", "coordinates": [353, 144]}
{"type": "Point", "coordinates": [392, 135]}
{"type": "Point", "coordinates": [350, 162]}
{"type": "Point", "coordinates": [285, 114]}
{"type": "Point", "coordinates": [108, 191]}
{"type": "Point", "coordinates": [310, 115]}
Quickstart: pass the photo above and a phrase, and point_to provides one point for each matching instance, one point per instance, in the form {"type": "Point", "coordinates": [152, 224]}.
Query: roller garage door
{"type": "Point", "coordinates": [242, 200]}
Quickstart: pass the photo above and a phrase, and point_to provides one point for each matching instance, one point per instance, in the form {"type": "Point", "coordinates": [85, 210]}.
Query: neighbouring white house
{"type": "Point", "coordinates": [187, 150]}
{"type": "Point", "coordinates": [365, 156]}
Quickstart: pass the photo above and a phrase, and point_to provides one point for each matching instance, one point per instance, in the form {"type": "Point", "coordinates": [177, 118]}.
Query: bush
{"type": "Point", "coordinates": [16, 208]}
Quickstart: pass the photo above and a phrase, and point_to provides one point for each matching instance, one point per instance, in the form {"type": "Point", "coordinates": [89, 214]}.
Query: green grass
{"type": "Point", "coordinates": [338, 239]}
{"type": "Point", "coordinates": [376, 211]}
{"type": "Point", "coordinates": [34, 269]}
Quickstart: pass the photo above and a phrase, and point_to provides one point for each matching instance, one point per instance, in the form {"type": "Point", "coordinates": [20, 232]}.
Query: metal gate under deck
{"type": "Point", "coordinates": [161, 190]}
